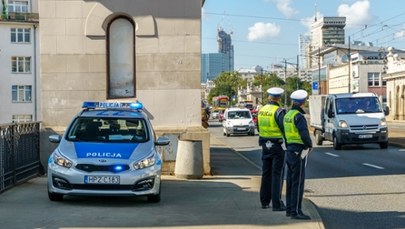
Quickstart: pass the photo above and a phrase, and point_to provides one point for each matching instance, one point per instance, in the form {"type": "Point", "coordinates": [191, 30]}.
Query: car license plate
{"type": "Point", "coordinates": [362, 136]}
{"type": "Point", "coordinates": [240, 128]}
{"type": "Point", "coordinates": [101, 179]}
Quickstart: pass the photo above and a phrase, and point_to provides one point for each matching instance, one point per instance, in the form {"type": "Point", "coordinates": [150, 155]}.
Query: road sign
{"type": "Point", "coordinates": [314, 85]}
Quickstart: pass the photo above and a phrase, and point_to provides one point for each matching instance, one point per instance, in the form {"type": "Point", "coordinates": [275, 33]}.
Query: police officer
{"type": "Point", "coordinates": [298, 143]}
{"type": "Point", "coordinates": [270, 127]}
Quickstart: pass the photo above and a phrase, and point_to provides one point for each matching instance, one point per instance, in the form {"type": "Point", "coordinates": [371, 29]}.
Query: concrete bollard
{"type": "Point", "coordinates": [189, 160]}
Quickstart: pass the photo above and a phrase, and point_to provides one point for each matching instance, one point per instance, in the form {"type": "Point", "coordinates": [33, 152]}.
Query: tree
{"type": "Point", "coordinates": [226, 83]}
{"type": "Point", "coordinates": [267, 81]}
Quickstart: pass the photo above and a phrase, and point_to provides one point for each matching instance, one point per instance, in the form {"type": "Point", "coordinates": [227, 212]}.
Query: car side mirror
{"type": "Point", "coordinates": [55, 138]}
{"type": "Point", "coordinates": [162, 141]}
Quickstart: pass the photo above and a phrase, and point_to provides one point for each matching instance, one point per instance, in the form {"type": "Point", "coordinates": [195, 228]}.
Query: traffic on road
{"type": "Point", "coordinates": [358, 183]}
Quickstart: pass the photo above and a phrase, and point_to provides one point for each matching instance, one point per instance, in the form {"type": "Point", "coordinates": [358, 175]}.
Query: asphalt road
{"type": "Point", "coordinates": [357, 187]}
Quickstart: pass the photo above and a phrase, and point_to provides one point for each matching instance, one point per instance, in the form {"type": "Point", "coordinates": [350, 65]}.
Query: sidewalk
{"type": "Point", "coordinates": [396, 133]}
{"type": "Point", "coordinates": [230, 197]}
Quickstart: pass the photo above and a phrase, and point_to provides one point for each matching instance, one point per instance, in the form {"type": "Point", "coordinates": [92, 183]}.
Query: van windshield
{"type": "Point", "coordinates": [239, 115]}
{"type": "Point", "coordinates": [358, 105]}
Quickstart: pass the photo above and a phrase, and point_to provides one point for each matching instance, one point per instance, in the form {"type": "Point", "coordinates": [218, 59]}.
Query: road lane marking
{"type": "Point", "coordinates": [373, 166]}
{"type": "Point", "coordinates": [332, 154]}
{"type": "Point", "coordinates": [401, 150]}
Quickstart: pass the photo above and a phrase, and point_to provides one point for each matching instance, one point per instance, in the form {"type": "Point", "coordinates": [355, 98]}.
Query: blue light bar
{"type": "Point", "coordinates": [118, 168]}
{"type": "Point", "coordinates": [122, 105]}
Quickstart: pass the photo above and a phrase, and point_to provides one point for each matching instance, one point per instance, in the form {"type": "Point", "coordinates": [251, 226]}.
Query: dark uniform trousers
{"type": "Point", "coordinates": [272, 166]}
{"type": "Point", "coordinates": [295, 181]}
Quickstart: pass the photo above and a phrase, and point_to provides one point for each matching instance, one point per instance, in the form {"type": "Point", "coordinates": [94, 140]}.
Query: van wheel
{"type": "Point", "coordinates": [318, 138]}
{"type": "Point", "coordinates": [336, 144]}
{"type": "Point", "coordinates": [383, 145]}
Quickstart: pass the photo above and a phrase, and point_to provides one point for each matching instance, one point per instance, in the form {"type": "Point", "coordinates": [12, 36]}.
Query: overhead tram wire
{"type": "Point", "coordinates": [252, 16]}
{"type": "Point", "coordinates": [381, 23]}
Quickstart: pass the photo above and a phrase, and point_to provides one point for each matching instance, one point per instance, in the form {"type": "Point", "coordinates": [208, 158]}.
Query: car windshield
{"type": "Point", "coordinates": [239, 114]}
{"type": "Point", "coordinates": [358, 105]}
{"type": "Point", "coordinates": [108, 130]}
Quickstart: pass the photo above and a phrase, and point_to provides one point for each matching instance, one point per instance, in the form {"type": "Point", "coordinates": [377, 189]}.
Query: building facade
{"type": "Point", "coordinates": [395, 76]}
{"type": "Point", "coordinates": [101, 50]}
{"type": "Point", "coordinates": [212, 64]}
{"type": "Point", "coordinates": [324, 31]}
{"type": "Point", "coordinates": [19, 61]}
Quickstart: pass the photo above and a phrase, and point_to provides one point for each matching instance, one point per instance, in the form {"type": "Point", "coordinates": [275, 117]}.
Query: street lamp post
{"type": "Point", "coordinates": [319, 70]}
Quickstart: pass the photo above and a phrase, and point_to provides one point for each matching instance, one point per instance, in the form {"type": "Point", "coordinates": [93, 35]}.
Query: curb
{"type": "Point", "coordinates": [307, 203]}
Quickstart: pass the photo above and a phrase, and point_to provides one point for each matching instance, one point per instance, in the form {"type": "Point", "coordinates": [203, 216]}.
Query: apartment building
{"type": "Point", "coordinates": [19, 63]}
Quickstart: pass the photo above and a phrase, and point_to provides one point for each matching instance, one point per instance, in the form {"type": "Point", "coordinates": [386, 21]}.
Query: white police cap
{"type": "Point", "coordinates": [275, 91]}
{"type": "Point", "coordinates": [299, 96]}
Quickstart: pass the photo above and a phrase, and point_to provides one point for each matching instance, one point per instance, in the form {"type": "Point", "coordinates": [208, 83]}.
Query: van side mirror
{"type": "Point", "coordinates": [330, 113]}
{"type": "Point", "coordinates": [386, 111]}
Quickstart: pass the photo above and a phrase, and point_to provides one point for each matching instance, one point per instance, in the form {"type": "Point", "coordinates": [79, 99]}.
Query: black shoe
{"type": "Point", "coordinates": [264, 206]}
{"type": "Point", "coordinates": [280, 209]}
{"type": "Point", "coordinates": [300, 216]}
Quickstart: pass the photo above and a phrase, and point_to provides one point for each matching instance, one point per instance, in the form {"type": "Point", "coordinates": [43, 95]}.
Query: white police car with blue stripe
{"type": "Point", "coordinates": [109, 149]}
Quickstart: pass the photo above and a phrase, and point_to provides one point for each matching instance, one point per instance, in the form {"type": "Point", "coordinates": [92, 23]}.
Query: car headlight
{"type": "Point", "coordinates": [343, 124]}
{"type": "Point", "coordinates": [383, 122]}
{"type": "Point", "coordinates": [146, 162]}
{"type": "Point", "coordinates": [62, 161]}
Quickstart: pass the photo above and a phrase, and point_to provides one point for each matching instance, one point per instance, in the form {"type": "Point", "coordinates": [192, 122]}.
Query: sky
{"type": "Point", "coordinates": [266, 32]}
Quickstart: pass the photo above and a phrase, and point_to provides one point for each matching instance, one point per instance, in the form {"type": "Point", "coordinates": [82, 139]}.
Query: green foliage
{"type": "Point", "coordinates": [226, 83]}
{"type": "Point", "coordinates": [267, 81]}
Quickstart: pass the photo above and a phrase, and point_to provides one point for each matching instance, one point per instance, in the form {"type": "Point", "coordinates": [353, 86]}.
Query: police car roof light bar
{"type": "Point", "coordinates": [106, 105]}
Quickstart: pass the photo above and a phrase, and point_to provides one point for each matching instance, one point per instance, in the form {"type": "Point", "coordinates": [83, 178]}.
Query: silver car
{"type": "Point", "coordinates": [109, 149]}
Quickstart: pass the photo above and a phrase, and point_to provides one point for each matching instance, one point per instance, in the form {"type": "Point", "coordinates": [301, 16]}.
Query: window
{"type": "Point", "coordinates": [121, 58]}
{"type": "Point", "coordinates": [18, 6]}
{"type": "Point", "coordinates": [21, 93]}
{"type": "Point", "coordinates": [20, 35]}
{"type": "Point", "coordinates": [373, 79]}
{"type": "Point", "coordinates": [22, 118]}
{"type": "Point", "coordinates": [20, 64]}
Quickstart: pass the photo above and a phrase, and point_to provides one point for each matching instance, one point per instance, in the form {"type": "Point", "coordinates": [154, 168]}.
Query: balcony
{"type": "Point", "coordinates": [20, 17]}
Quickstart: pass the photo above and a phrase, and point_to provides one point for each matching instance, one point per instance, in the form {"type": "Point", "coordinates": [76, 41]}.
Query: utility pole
{"type": "Point", "coordinates": [285, 83]}
{"type": "Point", "coordinates": [319, 70]}
{"type": "Point", "coordinates": [350, 62]}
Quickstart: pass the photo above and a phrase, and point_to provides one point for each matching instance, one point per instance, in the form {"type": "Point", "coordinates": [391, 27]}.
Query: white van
{"type": "Point", "coordinates": [238, 121]}
{"type": "Point", "coordinates": [349, 119]}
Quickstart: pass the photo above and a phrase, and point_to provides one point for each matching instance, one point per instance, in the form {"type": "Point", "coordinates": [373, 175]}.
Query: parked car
{"type": "Point", "coordinates": [215, 114]}
{"type": "Point", "coordinates": [109, 149]}
{"type": "Point", "coordinates": [238, 121]}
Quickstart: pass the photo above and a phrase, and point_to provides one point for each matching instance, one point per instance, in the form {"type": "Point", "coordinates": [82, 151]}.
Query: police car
{"type": "Point", "coordinates": [109, 149]}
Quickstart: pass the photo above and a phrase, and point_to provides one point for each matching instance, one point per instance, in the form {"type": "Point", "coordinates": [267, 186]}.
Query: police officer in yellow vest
{"type": "Point", "coordinates": [298, 143]}
{"type": "Point", "coordinates": [270, 127]}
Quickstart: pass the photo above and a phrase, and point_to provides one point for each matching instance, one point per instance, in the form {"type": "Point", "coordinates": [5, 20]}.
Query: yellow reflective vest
{"type": "Point", "coordinates": [290, 130]}
{"type": "Point", "coordinates": [266, 119]}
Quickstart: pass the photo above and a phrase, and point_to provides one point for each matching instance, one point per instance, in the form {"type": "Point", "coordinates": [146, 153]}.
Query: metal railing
{"type": "Point", "coordinates": [25, 17]}
{"type": "Point", "coordinates": [19, 153]}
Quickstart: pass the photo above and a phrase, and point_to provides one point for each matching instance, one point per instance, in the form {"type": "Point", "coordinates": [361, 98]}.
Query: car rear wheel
{"type": "Point", "coordinates": [55, 196]}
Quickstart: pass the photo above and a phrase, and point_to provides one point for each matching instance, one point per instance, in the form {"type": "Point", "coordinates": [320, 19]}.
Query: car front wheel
{"type": "Point", "coordinates": [154, 198]}
{"type": "Point", "coordinates": [55, 196]}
